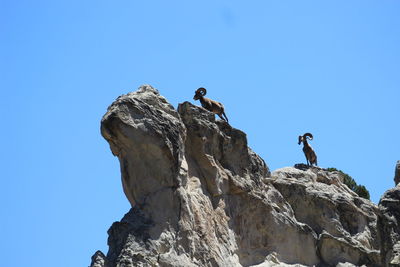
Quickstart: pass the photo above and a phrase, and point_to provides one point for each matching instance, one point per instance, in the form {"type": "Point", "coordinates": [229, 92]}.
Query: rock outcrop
{"type": "Point", "coordinates": [201, 197]}
{"type": "Point", "coordinates": [397, 173]}
{"type": "Point", "coordinates": [98, 259]}
{"type": "Point", "coordinates": [344, 223]}
{"type": "Point", "coordinates": [389, 223]}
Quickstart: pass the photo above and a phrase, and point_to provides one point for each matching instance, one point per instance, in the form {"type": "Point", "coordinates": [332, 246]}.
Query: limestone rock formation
{"type": "Point", "coordinates": [389, 224]}
{"type": "Point", "coordinates": [201, 197]}
{"type": "Point", "coordinates": [344, 223]}
{"type": "Point", "coordinates": [98, 259]}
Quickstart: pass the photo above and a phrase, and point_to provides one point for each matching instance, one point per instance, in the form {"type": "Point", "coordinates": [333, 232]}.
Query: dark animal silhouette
{"type": "Point", "coordinates": [211, 105]}
{"type": "Point", "coordinates": [311, 157]}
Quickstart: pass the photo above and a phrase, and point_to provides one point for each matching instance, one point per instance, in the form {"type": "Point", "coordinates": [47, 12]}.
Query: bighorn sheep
{"type": "Point", "coordinates": [211, 105]}
{"type": "Point", "coordinates": [307, 149]}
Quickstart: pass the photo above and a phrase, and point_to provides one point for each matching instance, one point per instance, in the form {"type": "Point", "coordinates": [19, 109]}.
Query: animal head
{"type": "Point", "coordinates": [305, 137]}
{"type": "Point", "coordinates": [199, 93]}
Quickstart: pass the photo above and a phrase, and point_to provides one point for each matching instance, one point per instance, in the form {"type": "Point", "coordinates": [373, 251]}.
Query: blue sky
{"type": "Point", "coordinates": [281, 68]}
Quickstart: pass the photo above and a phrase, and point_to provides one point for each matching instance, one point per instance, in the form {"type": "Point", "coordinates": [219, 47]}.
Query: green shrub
{"type": "Point", "coordinates": [360, 190]}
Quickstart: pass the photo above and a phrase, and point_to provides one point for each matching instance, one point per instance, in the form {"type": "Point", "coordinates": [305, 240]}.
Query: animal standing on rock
{"type": "Point", "coordinates": [311, 157]}
{"type": "Point", "coordinates": [211, 105]}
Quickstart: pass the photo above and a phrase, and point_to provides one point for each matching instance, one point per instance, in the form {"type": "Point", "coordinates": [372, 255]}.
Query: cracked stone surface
{"type": "Point", "coordinates": [389, 227]}
{"type": "Point", "coordinates": [201, 197]}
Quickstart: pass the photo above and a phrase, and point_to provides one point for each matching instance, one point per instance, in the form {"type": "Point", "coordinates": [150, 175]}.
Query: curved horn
{"type": "Point", "coordinates": [202, 91]}
{"type": "Point", "coordinates": [308, 135]}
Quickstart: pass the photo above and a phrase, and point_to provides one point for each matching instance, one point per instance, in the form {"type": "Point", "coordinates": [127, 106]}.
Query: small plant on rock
{"type": "Point", "coordinates": [360, 190]}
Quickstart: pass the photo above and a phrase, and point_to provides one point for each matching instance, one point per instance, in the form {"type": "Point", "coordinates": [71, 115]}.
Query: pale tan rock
{"type": "Point", "coordinates": [345, 223]}
{"type": "Point", "coordinates": [201, 197]}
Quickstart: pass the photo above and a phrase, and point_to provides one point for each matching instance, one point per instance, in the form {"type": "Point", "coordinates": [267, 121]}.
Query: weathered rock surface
{"type": "Point", "coordinates": [201, 197]}
{"type": "Point", "coordinates": [98, 259]}
{"type": "Point", "coordinates": [397, 173]}
{"type": "Point", "coordinates": [344, 223]}
{"type": "Point", "coordinates": [389, 226]}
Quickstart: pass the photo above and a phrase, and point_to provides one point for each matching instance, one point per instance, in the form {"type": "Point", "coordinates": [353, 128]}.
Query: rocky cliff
{"type": "Point", "coordinates": [389, 227]}
{"type": "Point", "coordinates": [201, 197]}
{"type": "Point", "coordinates": [397, 173]}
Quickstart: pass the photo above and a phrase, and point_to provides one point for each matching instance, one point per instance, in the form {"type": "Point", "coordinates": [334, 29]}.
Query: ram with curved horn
{"type": "Point", "coordinates": [211, 105]}
{"type": "Point", "coordinates": [311, 157]}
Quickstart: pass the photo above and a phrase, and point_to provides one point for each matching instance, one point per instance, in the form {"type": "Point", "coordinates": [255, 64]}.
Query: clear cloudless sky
{"type": "Point", "coordinates": [281, 68]}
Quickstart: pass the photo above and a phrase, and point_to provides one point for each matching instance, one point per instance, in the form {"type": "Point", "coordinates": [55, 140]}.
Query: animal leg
{"type": "Point", "coordinates": [223, 113]}
{"type": "Point", "coordinates": [222, 118]}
